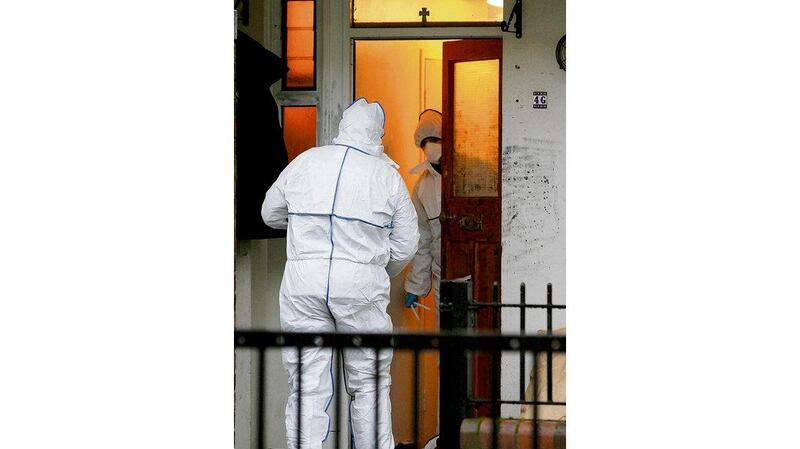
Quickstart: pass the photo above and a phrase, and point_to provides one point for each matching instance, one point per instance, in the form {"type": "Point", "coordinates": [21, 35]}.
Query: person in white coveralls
{"type": "Point", "coordinates": [350, 226]}
{"type": "Point", "coordinates": [427, 198]}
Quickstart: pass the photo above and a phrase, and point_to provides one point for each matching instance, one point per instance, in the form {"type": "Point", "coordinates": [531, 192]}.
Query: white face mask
{"type": "Point", "coordinates": [433, 151]}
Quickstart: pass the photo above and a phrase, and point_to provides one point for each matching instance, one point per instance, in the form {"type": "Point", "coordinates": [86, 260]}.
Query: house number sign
{"type": "Point", "coordinates": [540, 100]}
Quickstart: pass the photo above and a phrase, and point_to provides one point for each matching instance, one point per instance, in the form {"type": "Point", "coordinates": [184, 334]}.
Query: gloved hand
{"type": "Point", "coordinates": [411, 299]}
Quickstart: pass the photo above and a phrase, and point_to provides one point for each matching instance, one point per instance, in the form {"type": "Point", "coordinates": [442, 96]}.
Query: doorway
{"type": "Point", "coordinates": [407, 77]}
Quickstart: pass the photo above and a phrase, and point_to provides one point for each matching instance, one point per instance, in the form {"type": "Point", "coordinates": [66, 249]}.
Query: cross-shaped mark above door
{"type": "Point", "coordinates": [424, 13]}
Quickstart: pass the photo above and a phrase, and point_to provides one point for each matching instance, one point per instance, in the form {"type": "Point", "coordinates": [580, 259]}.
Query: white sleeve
{"type": "Point", "coordinates": [418, 281]}
{"type": "Point", "coordinates": [404, 236]}
{"type": "Point", "coordinates": [275, 210]}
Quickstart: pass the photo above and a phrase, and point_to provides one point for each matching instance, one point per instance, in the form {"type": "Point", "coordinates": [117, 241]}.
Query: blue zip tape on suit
{"type": "Point", "coordinates": [328, 291]}
{"type": "Point", "coordinates": [341, 217]}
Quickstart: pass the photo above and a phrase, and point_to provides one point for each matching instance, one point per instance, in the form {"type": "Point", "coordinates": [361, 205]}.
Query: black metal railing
{"type": "Point", "coordinates": [454, 344]}
{"type": "Point", "coordinates": [459, 310]}
{"type": "Point", "coordinates": [495, 306]}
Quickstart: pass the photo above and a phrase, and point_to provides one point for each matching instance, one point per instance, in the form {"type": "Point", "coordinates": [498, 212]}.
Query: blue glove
{"type": "Point", "coordinates": [411, 299]}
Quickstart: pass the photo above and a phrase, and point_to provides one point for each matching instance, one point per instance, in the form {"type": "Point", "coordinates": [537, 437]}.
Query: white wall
{"type": "Point", "coordinates": [243, 319]}
{"type": "Point", "coordinates": [533, 221]}
{"type": "Point", "coordinates": [259, 269]}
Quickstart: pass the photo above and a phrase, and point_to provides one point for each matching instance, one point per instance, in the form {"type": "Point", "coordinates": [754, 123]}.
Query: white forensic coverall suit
{"type": "Point", "coordinates": [427, 200]}
{"type": "Point", "coordinates": [351, 225]}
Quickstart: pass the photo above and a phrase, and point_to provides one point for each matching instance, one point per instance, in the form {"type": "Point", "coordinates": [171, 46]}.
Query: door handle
{"type": "Point", "coordinates": [444, 218]}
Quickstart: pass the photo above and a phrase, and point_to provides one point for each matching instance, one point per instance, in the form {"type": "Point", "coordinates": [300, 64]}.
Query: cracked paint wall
{"type": "Point", "coordinates": [533, 163]}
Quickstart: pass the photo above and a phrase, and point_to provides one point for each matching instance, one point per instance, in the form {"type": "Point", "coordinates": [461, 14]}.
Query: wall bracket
{"type": "Point", "coordinates": [516, 14]}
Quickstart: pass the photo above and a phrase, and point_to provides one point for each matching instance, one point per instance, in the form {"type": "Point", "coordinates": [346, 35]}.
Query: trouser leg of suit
{"type": "Point", "coordinates": [361, 315]}
{"type": "Point", "coordinates": [365, 397]}
{"type": "Point", "coordinates": [303, 309]}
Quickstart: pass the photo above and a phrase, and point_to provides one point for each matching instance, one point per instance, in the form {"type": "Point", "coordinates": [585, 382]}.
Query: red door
{"type": "Point", "coordinates": [471, 93]}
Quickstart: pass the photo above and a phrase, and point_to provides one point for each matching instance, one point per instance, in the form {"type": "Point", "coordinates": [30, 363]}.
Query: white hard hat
{"type": "Point", "coordinates": [430, 125]}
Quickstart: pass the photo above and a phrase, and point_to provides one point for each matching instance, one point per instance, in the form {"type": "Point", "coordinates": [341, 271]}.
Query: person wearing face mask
{"type": "Point", "coordinates": [427, 200]}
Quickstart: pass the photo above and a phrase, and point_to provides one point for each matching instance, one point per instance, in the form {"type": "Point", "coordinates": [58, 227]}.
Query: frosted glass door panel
{"type": "Point", "coordinates": [476, 104]}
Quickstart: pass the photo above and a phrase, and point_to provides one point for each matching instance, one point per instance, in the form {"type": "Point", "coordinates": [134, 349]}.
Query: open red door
{"type": "Point", "coordinates": [471, 93]}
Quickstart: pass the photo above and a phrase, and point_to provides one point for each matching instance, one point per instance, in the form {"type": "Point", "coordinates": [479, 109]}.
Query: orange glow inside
{"type": "Point", "coordinates": [393, 11]}
{"type": "Point", "coordinates": [406, 78]}
{"type": "Point", "coordinates": [300, 43]}
{"type": "Point", "coordinates": [299, 129]}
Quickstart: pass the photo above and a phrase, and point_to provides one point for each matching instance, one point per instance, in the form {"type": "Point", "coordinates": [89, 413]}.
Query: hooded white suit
{"type": "Point", "coordinates": [351, 225]}
{"type": "Point", "coordinates": [427, 199]}
{"type": "Point", "coordinates": [426, 265]}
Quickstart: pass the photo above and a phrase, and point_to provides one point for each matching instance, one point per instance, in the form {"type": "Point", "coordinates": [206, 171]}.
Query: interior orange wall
{"type": "Point", "coordinates": [405, 77]}
{"type": "Point", "coordinates": [392, 72]}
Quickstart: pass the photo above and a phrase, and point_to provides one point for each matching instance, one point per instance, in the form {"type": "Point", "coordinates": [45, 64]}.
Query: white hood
{"type": "Point", "coordinates": [362, 127]}
{"type": "Point", "coordinates": [430, 125]}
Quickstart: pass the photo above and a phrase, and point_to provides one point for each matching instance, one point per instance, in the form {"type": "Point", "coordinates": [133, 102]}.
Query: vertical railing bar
{"type": "Point", "coordinates": [470, 410]}
{"type": "Point", "coordinates": [261, 393]}
{"type": "Point", "coordinates": [535, 384]}
{"type": "Point", "coordinates": [495, 300]}
{"type": "Point", "coordinates": [522, 313]}
{"type": "Point", "coordinates": [416, 397]}
{"type": "Point", "coordinates": [549, 308]}
{"type": "Point", "coordinates": [299, 395]}
{"type": "Point", "coordinates": [339, 373]}
{"type": "Point", "coordinates": [495, 415]}
{"type": "Point", "coordinates": [495, 354]}
{"type": "Point", "coordinates": [549, 349]}
{"type": "Point", "coordinates": [377, 394]}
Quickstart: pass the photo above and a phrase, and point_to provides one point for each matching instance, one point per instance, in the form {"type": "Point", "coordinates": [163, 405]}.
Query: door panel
{"type": "Point", "coordinates": [471, 189]}
{"type": "Point", "coordinates": [461, 259]}
{"type": "Point", "coordinates": [486, 265]}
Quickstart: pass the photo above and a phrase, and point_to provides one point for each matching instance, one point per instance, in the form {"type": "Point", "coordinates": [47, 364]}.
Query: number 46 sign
{"type": "Point", "coordinates": [540, 100]}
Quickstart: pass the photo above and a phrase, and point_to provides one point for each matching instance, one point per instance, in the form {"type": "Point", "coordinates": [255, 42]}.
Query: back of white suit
{"type": "Point", "coordinates": [357, 192]}
{"type": "Point", "coordinates": [350, 225]}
